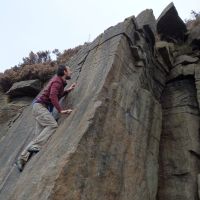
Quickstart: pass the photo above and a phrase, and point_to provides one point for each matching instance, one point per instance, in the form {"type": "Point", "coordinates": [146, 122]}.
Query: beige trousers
{"type": "Point", "coordinates": [45, 127]}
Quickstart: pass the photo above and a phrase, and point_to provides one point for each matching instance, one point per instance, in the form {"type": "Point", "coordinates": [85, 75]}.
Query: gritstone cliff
{"type": "Point", "coordinates": [134, 131]}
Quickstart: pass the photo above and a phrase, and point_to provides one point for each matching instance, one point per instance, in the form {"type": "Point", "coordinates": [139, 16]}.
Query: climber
{"type": "Point", "coordinates": [42, 107]}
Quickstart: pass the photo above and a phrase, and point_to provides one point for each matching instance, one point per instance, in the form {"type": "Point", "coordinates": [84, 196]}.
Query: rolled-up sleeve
{"type": "Point", "coordinates": [55, 88]}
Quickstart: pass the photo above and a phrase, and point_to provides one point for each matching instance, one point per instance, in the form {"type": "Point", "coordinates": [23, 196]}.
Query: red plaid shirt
{"type": "Point", "coordinates": [52, 93]}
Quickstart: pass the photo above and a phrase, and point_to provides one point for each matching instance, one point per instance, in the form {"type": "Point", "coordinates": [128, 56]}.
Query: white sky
{"type": "Point", "coordinates": [36, 25]}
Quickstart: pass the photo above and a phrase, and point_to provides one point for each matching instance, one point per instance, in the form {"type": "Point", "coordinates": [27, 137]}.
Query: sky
{"type": "Point", "coordinates": [37, 25]}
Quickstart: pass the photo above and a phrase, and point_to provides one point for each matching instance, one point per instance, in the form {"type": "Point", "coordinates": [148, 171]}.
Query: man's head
{"type": "Point", "coordinates": [64, 71]}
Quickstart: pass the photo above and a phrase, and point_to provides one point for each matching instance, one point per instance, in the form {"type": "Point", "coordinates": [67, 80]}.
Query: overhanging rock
{"type": "Point", "coordinates": [25, 88]}
{"type": "Point", "coordinates": [170, 26]}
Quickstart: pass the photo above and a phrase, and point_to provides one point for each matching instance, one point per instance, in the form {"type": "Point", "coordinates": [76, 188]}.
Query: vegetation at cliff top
{"type": "Point", "coordinates": [194, 20]}
{"type": "Point", "coordinates": [36, 66]}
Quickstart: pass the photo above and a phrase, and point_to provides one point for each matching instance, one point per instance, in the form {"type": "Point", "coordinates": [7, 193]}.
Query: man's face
{"type": "Point", "coordinates": [68, 73]}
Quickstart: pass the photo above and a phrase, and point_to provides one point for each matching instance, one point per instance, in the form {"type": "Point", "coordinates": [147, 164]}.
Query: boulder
{"type": "Point", "coordinates": [185, 60]}
{"type": "Point", "coordinates": [170, 26]}
{"type": "Point", "coordinates": [25, 88]}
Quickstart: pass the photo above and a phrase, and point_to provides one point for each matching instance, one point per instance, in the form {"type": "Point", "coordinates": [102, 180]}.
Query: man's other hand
{"type": "Point", "coordinates": [68, 111]}
{"type": "Point", "coordinates": [71, 87]}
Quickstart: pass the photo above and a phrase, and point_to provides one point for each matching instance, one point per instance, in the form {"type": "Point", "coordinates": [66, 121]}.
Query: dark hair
{"type": "Point", "coordinates": [60, 70]}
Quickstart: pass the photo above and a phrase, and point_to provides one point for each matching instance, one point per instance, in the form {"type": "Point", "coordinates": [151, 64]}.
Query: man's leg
{"type": "Point", "coordinates": [25, 155]}
{"type": "Point", "coordinates": [49, 124]}
{"type": "Point", "coordinates": [45, 127]}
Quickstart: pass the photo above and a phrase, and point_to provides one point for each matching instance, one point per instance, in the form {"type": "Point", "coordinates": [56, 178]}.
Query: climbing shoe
{"type": "Point", "coordinates": [33, 149]}
{"type": "Point", "coordinates": [20, 164]}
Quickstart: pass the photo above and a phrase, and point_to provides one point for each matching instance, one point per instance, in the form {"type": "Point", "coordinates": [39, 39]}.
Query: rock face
{"type": "Point", "coordinates": [10, 111]}
{"type": "Point", "coordinates": [147, 17]}
{"type": "Point", "coordinates": [134, 131]}
{"type": "Point", "coordinates": [180, 144]}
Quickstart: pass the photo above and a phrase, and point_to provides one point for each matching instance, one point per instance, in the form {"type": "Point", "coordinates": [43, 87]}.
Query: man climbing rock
{"type": "Point", "coordinates": [42, 107]}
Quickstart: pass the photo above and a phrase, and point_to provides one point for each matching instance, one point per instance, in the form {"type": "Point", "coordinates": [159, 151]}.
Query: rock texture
{"type": "Point", "coordinates": [147, 17]}
{"type": "Point", "coordinates": [180, 144]}
{"type": "Point", "coordinates": [10, 111]}
{"type": "Point", "coordinates": [134, 130]}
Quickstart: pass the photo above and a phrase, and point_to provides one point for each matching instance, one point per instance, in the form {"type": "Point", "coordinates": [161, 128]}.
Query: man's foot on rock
{"type": "Point", "coordinates": [20, 164]}
{"type": "Point", "coordinates": [33, 149]}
